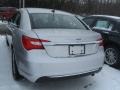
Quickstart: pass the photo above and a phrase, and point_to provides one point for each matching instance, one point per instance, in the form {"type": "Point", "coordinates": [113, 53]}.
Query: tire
{"type": "Point", "coordinates": [112, 56]}
{"type": "Point", "coordinates": [15, 73]}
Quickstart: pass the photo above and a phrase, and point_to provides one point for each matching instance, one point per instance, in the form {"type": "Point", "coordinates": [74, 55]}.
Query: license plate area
{"type": "Point", "coordinates": [77, 49]}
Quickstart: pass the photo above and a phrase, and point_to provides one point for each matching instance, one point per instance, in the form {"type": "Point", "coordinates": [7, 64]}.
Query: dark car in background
{"type": "Point", "coordinates": [109, 27]}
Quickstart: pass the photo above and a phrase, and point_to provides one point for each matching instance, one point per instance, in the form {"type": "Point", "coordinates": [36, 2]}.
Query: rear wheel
{"type": "Point", "coordinates": [112, 56]}
{"type": "Point", "coordinates": [15, 72]}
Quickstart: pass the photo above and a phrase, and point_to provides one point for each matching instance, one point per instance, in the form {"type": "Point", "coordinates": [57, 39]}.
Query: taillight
{"type": "Point", "coordinates": [100, 41]}
{"type": "Point", "coordinates": [32, 43]}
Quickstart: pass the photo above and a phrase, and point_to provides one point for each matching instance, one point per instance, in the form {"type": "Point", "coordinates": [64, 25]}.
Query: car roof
{"type": "Point", "coordinates": [106, 16]}
{"type": "Point", "coordinates": [44, 10]}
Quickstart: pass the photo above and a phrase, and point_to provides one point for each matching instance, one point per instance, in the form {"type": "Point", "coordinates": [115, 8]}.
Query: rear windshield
{"type": "Point", "coordinates": [41, 20]}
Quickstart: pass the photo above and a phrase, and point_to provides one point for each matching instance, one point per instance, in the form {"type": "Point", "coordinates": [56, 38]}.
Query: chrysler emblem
{"type": "Point", "coordinates": [78, 40]}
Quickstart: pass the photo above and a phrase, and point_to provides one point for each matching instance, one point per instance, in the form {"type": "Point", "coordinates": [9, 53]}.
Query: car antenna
{"type": "Point", "coordinates": [53, 11]}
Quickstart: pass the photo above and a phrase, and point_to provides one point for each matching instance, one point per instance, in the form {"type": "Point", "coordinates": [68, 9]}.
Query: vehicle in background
{"type": "Point", "coordinates": [109, 27]}
{"type": "Point", "coordinates": [52, 43]}
{"type": "Point", "coordinates": [7, 12]}
{"type": "Point", "coordinates": [1, 21]}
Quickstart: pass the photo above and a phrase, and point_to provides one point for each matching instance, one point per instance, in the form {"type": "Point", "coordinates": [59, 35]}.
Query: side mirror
{"type": "Point", "coordinates": [4, 29]}
{"type": "Point", "coordinates": [13, 24]}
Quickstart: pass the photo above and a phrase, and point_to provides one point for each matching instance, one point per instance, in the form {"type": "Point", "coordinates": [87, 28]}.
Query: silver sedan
{"type": "Point", "coordinates": [52, 43]}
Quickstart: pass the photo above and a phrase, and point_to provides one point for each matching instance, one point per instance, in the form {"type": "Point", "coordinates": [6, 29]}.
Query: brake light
{"type": "Point", "coordinates": [32, 43]}
{"type": "Point", "coordinates": [100, 41]}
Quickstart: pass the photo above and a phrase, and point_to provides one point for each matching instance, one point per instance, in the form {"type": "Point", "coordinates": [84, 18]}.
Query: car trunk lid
{"type": "Point", "coordinates": [68, 42]}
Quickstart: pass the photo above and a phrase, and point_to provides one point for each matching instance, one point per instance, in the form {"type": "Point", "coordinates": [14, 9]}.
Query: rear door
{"type": "Point", "coordinates": [69, 43]}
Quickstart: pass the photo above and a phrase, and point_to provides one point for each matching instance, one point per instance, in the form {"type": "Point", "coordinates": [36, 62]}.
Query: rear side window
{"type": "Point", "coordinates": [103, 24]}
{"type": "Point", "coordinates": [88, 21]}
{"type": "Point", "coordinates": [13, 18]}
{"type": "Point", "coordinates": [47, 20]}
{"type": "Point", "coordinates": [16, 19]}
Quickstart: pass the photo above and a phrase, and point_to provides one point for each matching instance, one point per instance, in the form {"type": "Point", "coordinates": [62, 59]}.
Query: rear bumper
{"type": "Point", "coordinates": [35, 68]}
{"type": "Point", "coordinates": [73, 76]}
{"type": "Point", "coordinates": [78, 74]}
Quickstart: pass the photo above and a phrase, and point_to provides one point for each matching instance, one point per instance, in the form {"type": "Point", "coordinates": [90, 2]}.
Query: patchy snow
{"type": "Point", "coordinates": [107, 79]}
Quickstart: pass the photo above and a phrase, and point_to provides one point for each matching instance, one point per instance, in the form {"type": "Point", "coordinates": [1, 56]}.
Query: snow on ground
{"type": "Point", "coordinates": [107, 79]}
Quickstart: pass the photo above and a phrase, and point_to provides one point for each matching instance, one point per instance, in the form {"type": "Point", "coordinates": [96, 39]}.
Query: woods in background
{"type": "Point", "coordinates": [111, 7]}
